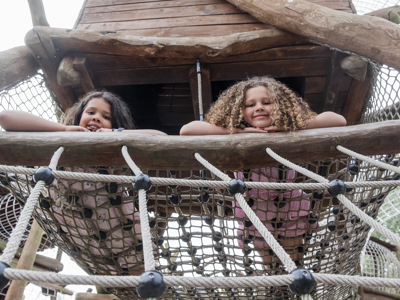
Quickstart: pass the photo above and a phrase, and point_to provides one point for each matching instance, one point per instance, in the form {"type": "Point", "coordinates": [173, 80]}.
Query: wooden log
{"type": "Point", "coordinates": [240, 151]}
{"type": "Point", "coordinates": [356, 101]}
{"type": "Point", "coordinates": [368, 36]}
{"type": "Point", "coordinates": [66, 73]}
{"type": "Point", "coordinates": [333, 82]}
{"type": "Point", "coordinates": [355, 66]}
{"type": "Point", "coordinates": [38, 14]}
{"type": "Point", "coordinates": [90, 296]}
{"type": "Point", "coordinates": [49, 57]}
{"type": "Point", "coordinates": [16, 64]}
{"type": "Point", "coordinates": [157, 47]}
{"type": "Point", "coordinates": [379, 295]}
{"type": "Point", "coordinates": [82, 64]}
{"type": "Point", "coordinates": [41, 261]}
{"type": "Point", "coordinates": [17, 287]}
{"type": "Point", "coordinates": [384, 244]}
{"type": "Point", "coordinates": [55, 287]}
{"type": "Point", "coordinates": [389, 13]}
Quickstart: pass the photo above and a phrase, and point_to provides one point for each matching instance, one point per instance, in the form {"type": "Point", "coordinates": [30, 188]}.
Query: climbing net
{"type": "Point", "coordinates": [212, 237]}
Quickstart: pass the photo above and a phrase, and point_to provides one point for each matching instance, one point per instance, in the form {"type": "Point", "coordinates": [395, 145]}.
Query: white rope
{"type": "Point", "coordinates": [207, 282]}
{"type": "Point", "coordinates": [306, 297]}
{"type": "Point", "coordinates": [149, 262]}
{"type": "Point", "coordinates": [354, 209]}
{"type": "Point", "coordinates": [26, 213]}
{"type": "Point", "coordinates": [369, 160]}
{"type": "Point", "coordinates": [196, 183]}
{"type": "Point", "coordinates": [269, 238]}
{"type": "Point", "coordinates": [199, 89]}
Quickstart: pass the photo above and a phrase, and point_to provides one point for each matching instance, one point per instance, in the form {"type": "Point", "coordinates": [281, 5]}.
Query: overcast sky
{"type": "Point", "coordinates": [15, 18]}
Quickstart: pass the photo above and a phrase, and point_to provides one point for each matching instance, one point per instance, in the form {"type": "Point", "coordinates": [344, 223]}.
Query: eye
{"type": "Point", "coordinates": [107, 117]}
{"type": "Point", "coordinates": [90, 112]}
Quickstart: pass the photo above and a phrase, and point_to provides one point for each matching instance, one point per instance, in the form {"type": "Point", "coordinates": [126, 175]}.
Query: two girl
{"type": "Point", "coordinates": [262, 105]}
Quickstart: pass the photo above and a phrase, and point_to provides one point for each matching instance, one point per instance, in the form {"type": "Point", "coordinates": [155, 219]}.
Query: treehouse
{"type": "Point", "coordinates": [169, 60]}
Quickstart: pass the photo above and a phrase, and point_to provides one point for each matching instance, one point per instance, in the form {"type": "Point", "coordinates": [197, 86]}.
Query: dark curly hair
{"type": "Point", "coordinates": [120, 113]}
{"type": "Point", "coordinates": [290, 111]}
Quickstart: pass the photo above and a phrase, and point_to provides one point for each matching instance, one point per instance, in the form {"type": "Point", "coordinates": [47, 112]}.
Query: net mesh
{"type": "Point", "coordinates": [201, 231]}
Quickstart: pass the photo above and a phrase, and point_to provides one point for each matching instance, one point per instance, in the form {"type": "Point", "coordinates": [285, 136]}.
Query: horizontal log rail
{"type": "Point", "coordinates": [239, 151]}
{"type": "Point", "coordinates": [85, 41]}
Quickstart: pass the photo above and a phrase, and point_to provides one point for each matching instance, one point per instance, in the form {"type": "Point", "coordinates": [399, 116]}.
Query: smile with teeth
{"type": "Point", "coordinates": [92, 127]}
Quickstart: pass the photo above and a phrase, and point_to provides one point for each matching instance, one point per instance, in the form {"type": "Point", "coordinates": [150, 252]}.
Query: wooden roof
{"type": "Point", "coordinates": [176, 18]}
{"type": "Point", "coordinates": [147, 50]}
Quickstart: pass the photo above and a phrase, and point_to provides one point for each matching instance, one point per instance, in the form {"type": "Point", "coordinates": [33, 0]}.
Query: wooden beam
{"type": "Point", "coordinates": [240, 151]}
{"type": "Point", "coordinates": [41, 261]}
{"type": "Point", "coordinates": [90, 296]}
{"type": "Point", "coordinates": [84, 41]}
{"type": "Point", "coordinates": [368, 36]}
{"type": "Point", "coordinates": [389, 13]}
{"type": "Point", "coordinates": [384, 244]}
{"type": "Point", "coordinates": [66, 73]}
{"type": "Point", "coordinates": [38, 14]}
{"type": "Point", "coordinates": [355, 66]}
{"type": "Point", "coordinates": [218, 72]}
{"type": "Point", "coordinates": [82, 64]}
{"type": "Point", "coordinates": [16, 64]}
{"type": "Point", "coordinates": [55, 287]}
{"type": "Point", "coordinates": [333, 82]}
{"type": "Point", "coordinates": [49, 57]}
{"type": "Point", "coordinates": [356, 100]}
{"type": "Point", "coordinates": [17, 287]}
{"type": "Point", "coordinates": [379, 295]}
{"type": "Point", "coordinates": [205, 90]}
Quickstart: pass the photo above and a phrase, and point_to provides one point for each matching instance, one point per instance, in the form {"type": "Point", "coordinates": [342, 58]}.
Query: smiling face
{"type": "Point", "coordinates": [258, 107]}
{"type": "Point", "coordinates": [97, 114]}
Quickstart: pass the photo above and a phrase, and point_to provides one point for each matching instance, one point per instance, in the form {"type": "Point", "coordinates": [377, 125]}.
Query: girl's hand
{"type": "Point", "coordinates": [75, 128]}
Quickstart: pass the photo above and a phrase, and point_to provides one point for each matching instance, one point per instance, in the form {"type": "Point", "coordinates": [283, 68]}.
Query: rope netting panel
{"type": "Point", "coordinates": [199, 230]}
{"type": "Point", "coordinates": [381, 262]}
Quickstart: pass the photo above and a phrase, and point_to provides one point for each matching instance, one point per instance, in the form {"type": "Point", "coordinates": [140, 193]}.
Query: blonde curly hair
{"type": "Point", "coordinates": [290, 112]}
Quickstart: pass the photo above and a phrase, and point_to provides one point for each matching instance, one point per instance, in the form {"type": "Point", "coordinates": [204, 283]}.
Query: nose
{"type": "Point", "coordinates": [259, 106]}
{"type": "Point", "coordinates": [96, 118]}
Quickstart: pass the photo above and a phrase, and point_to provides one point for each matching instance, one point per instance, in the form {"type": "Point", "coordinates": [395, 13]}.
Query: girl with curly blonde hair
{"type": "Point", "coordinates": [263, 105]}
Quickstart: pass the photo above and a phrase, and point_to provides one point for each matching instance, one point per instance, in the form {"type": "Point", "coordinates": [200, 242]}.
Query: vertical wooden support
{"type": "Point", "coordinates": [42, 48]}
{"type": "Point", "coordinates": [38, 14]}
{"type": "Point", "coordinates": [206, 90]}
{"type": "Point", "coordinates": [355, 103]}
{"type": "Point", "coordinates": [82, 65]}
{"type": "Point", "coordinates": [17, 287]}
{"type": "Point", "coordinates": [333, 81]}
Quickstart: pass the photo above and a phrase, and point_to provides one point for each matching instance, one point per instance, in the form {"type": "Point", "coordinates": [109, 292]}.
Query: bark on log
{"type": "Point", "coordinates": [355, 66]}
{"type": "Point", "coordinates": [66, 74]}
{"type": "Point", "coordinates": [389, 13]}
{"type": "Point", "coordinates": [368, 36]}
{"type": "Point", "coordinates": [383, 295]}
{"type": "Point", "coordinates": [90, 296]}
{"type": "Point", "coordinates": [157, 47]}
{"type": "Point", "coordinates": [38, 14]}
{"type": "Point", "coordinates": [16, 64]}
{"type": "Point", "coordinates": [240, 151]}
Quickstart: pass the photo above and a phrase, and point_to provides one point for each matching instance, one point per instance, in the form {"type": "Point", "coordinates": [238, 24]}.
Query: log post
{"type": "Point", "coordinates": [66, 73]}
{"type": "Point", "coordinates": [82, 64]}
{"type": "Point", "coordinates": [16, 64]}
{"type": "Point", "coordinates": [355, 66]}
{"type": "Point", "coordinates": [17, 287]}
{"type": "Point", "coordinates": [333, 81]}
{"type": "Point", "coordinates": [389, 13]}
{"type": "Point", "coordinates": [38, 14]}
{"type": "Point", "coordinates": [368, 36]}
{"type": "Point", "coordinates": [48, 57]}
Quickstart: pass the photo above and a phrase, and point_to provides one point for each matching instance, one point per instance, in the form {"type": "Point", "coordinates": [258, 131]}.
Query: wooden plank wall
{"type": "Point", "coordinates": [175, 18]}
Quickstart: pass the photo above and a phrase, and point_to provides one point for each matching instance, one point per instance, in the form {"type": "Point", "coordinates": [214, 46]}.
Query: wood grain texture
{"type": "Point", "coordinates": [16, 64]}
{"type": "Point", "coordinates": [241, 151]}
{"type": "Point", "coordinates": [106, 42]}
{"type": "Point", "coordinates": [368, 36]}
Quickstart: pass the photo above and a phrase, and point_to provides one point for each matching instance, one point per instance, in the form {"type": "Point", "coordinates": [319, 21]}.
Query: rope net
{"type": "Point", "coordinates": [201, 231]}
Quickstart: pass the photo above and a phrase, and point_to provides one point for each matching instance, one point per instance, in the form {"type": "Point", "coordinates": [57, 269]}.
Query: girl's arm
{"type": "Point", "coordinates": [204, 128]}
{"type": "Point", "coordinates": [326, 119]}
{"type": "Point", "coordinates": [12, 120]}
{"type": "Point", "coordinates": [152, 131]}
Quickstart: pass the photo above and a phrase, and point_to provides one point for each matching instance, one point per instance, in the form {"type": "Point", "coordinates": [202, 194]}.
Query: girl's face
{"type": "Point", "coordinates": [258, 108]}
{"type": "Point", "coordinates": [96, 115]}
